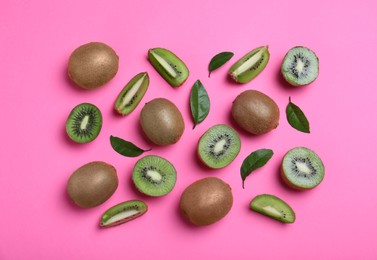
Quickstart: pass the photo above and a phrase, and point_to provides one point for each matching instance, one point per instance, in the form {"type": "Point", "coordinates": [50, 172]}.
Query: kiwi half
{"type": "Point", "coordinates": [250, 65]}
{"type": "Point", "coordinates": [123, 212]}
{"type": "Point", "coordinates": [169, 66]}
{"type": "Point", "coordinates": [300, 66]}
{"type": "Point", "coordinates": [154, 175]}
{"type": "Point", "coordinates": [274, 207]}
{"type": "Point", "coordinates": [84, 123]}
{"type": "Point", "coordinates": [132, 93]}
{"type": "Point", "coordinates": [219, 146]}
{"type": "Point", "coordinates": [302, 168]}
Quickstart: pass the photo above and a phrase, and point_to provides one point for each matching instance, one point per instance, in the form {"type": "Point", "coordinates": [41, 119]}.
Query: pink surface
{"type": "Point", "coordinates": [334, 221]}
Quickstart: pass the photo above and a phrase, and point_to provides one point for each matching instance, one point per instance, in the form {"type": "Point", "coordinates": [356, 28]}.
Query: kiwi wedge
{"type": "Point", "coordinates": [154, 176]}
{"type": "Point", "coordinates": [302, 169]}
{"type": "Point", "coordinates": [84, 123]}
{"type": "Point", "coordinates": [123, 212]}
{"type": "Point", "coordinates": [92, 65]}
{"type": "Point", "coordinates": [206, 201]}
{"type": "Point", "coordinates": [92, 184]}
{"type": "Point", "coordinates": [169, 66]}
{"type": "Point", "coordinates": [132, 93]}
{"type": "Point", "coordinates": [219, 146]}
{"type": "Point", "coordinates": [250, 65]}
{"type": "Point", "coordinates": [274, 207]}
{"type": "Point", "coordinates": [300, 66]}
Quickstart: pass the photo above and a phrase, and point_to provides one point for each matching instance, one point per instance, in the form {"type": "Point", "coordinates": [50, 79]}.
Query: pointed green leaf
{"type": "Point", "coordinates": [199, 102]}
{"type": "Point", "coordinates": [218, 60]}
{"type": "Point", "coordinates": [255, 160]}
{"type": "Point", "coordinates": [125, 148]}
{"type": "Point", "coordinates": [296, 118]}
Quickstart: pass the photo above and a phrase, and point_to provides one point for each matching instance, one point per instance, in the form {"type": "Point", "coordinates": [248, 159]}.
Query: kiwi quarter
{"type": "Point", "coordinates": [154, 176]}
{"type": "Point", "coordinates": [255, 112]}
{"type": "Point", "coordinates": [300, 66]}
{"type": "Point", "coordinates": [84, 123]}
{"type": "Point", "coordinates": [123, 212]}
{"type": "Point", "coordinates": [162, 122]}
{"type": "Point", "coordinates": [92, 65]}
{"type": "Point", "coordinates": [206, 201]}
{"type": "Point", "coordinates": [302, 168]}
{"type": "Point", "coordinates": [132, 93]}
{"type": "Point", "coordinates": [273, 207]}
{"type": "Point", "coordinates": [219, 146]}
{"type": "Point", "coordinates": [92, 184]}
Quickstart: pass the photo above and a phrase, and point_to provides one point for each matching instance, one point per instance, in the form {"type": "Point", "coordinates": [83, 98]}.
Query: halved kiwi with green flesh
{"type": "Point", "coordinates": [250, 65]}
{"type": "Point", "coordinates": [219, 146]}
{"type": "Point", "coordinates": [123, 212]}
{"type": "Point", "coordinates": [300, 66]}
{"type": "Point", "coordinates": [154, 175]}
{"type": "Point", "coordinates": [169, 66]}
{"type": "Point", "coordinates": [274, 207]}
{"type": "Point", "coordinates": [132, 93]}
{"type": "Point", "coordinates": [302, 168]}
{"type": "Point", "coordinates": [84, 123]}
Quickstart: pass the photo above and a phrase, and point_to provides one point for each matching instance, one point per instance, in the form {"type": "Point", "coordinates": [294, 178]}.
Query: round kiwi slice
{"type": "Point", "coordinates": [300, 66]}
{"type": "Point", "coordinates": [219, 146]}
{"type": "Point", "coordinates": [84, 123]}
{"type": "Point", "coordinates": [302, 169]}
{"type": "Point", "coordinates": [154, 176]}
{"type": "Point", "coordinates": [92, 65]}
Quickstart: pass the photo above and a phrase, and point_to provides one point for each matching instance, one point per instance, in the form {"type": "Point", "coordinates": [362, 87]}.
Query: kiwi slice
{"type": "Point", "coordinates": [154, 176]}
{"type": "Point", "coordinates": [300, 66]}
{"type": "Point", "coordinates": [219, 146]}
{"type": "Point", "coordinates": [250, 65]}
{"type": "Point", "coordinates": [169, 66]}
{"type": "Point", "coordinates": [302, 168]}
{"type": "Point", "coordinates": [132, 93]}
{"type": "Point", "coordinates": [123, 212]}
{"type": "Point", "coordinates": [84, 123]}
{"type": "Point", "coordinates": [273, 207]}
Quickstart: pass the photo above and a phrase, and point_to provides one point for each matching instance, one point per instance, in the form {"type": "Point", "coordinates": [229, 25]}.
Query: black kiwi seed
{"type": "Point", "coordinates": [84, 123]}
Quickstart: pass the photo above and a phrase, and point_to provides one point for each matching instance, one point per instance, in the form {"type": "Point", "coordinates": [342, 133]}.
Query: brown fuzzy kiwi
{"type": "Point", "coordinates": [206, 201]}
{"type": "Point", "coordinates": [255, 112]}
{"type": "Point", "coordinates": [92, 65]}
{"type": "Point", "coordinates": [92, 184]}
{"type": "Point", "coordinates": [162, 122]}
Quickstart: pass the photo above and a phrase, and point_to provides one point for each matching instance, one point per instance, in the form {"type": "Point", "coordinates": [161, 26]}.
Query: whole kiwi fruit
{"type": "Point", "coordinates": [92, 184]}
{"type": "Point", "coordinates": [162, 122]}
{"type": "Point", "coordinates": [206, 201]}
{"type": "Point", "coordinates": [255, 112]}
{"type": "Point", "coordinates": [92, 65]}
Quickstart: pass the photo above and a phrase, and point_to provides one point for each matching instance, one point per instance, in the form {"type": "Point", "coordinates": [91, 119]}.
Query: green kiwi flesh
{"type": "Point", "coordinates": [302, 168]}
{"type": "Point", "coordinates": [132, 93]}
{"type": "Point", "coordinates": [169, 66]}
{"type": "Point", "coordinates": [219, 146]}
{"type": "Point", "coordinates": [123, 212]}
{"type": "Point", "coordinates": [250, 65]}
{"type": "Point", "coordinates": [92, 184]}
{"type": "Point", "coordinates": [92, 65]}
{"type": "Point", "coordinates": [274, 207]}
{"type": "Point", "coordinates": [300, 66]}
{"type": "Point", "coordinates": [84, 123]}
{"type": "Point", "coordinates": [154, 176]}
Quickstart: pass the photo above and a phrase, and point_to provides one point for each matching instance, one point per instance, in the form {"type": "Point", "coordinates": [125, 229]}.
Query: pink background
{"type": "Point", "coordinates": [334, 221]}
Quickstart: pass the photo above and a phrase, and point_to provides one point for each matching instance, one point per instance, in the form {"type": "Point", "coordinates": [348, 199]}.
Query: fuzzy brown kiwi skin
{"type": "Point", "coordinates": [92, 65]}
{"type": "Point", "coordinates": [247, 108]}
{"type": "Point", "coordinates": [162, 122]}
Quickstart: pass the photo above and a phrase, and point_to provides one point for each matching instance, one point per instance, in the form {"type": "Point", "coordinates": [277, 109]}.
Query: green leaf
{"type": "Point", "coordinates": [255, 160]}
{"type": "Point", "coordinates": [218, 60]}
{"type": "Point", "coordinates": [199, 102]}
{"type": "Point", "coordinates": [125, 148]}
{"type": "Point", "coordinates": [296, 118]}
